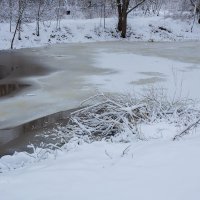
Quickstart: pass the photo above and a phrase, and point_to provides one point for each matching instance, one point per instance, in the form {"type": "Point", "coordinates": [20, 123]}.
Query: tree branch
{"type": "Point", "coordinates": [133, 8]}
{"type": "Point", "coordinates": [184, 132]}
{"type": "Point", "coordinates": [192, 3]}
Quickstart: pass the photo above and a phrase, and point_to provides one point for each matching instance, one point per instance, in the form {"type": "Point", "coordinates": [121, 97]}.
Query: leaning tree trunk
{"type": "Point", "coordinates": [12, 41]}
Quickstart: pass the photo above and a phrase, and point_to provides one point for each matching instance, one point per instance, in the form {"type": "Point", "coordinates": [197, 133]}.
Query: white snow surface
{"type": "Point", "coordinates": [151, 170]}
{"type": "Point", "coordinates": [140, 28]}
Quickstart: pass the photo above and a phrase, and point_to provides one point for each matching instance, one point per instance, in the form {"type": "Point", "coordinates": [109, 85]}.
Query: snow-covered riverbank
{"type": "Point", "coordinates": [147, 170]}
{"type": "Point", "coordinates": [153, 168]}
{"type": "Point", "coordinates": [140, 28]}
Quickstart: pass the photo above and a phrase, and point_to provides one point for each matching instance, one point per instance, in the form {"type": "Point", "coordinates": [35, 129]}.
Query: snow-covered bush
{"type": "Point", "coordinates": [105, 116]}
{"type": "Point", "coordinates": [113, 118]}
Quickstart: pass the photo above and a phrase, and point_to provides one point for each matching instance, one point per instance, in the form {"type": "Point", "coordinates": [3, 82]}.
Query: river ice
{"type": "Point", "coordinates": [80, 70]}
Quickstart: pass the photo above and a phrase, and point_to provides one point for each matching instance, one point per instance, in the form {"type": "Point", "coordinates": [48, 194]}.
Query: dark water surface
{"type": "Point", "coordinates": [17, 138]}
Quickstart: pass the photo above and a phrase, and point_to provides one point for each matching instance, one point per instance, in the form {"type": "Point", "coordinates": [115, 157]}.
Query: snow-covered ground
{"type": "Point", "coordinates": [146, 170]}
{"type": "Point", "coordinates": [140, 28]}
{"type": "Point", "coordinates": [156, 168]}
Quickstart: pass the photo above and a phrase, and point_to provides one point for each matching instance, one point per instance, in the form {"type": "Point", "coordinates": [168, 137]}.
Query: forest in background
{"type": "Point", "coordinates": [17, 13]}
{"type": "Point", "coordinates": [59, 9]}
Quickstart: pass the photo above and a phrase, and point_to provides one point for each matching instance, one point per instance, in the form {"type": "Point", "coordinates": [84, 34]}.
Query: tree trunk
{"type": "Point", "coordinates": [123, 11]}
{"type": "Point", "coordinates": [38, 27]}
{"type": "Point", "coordinates": [124, 26]}
{"type": "Point", "coordinates": [20, 12]}
{"type": "Point", "coordinates": [119, 7]}
{"type": "Point", "coordinates": [38, 19]}
{"type": "Point", "coordinates": [10, 7]}
{"type": "Point", "coordinates": [22, 5]}
{"type": "Point", "coordinates": [19, 29]}
{"type": "Point", "coordinates": [124, 17]}
{"type": "Point", "coordinates": [58, 15]}
{"type": "Point", "coordinates": [17, 24]}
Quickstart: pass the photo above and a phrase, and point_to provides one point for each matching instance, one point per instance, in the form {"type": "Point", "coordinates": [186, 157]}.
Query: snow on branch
{"type": "Point", "coordinates": [104, 116]}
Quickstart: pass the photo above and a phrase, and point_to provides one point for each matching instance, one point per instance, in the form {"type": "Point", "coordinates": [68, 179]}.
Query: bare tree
{"type": "Point", "coordinates": [156, 6]}
{"type": "Point", "coordinates": [41, 7]}
{"type": "Point", "coordinates": [123, 11]}
{"type": "Point", "coordinates": [58, 13]}
{"type": "Point", "coordinates": [196, 5]}
{"type": "Point", "coordinates": [38, 18]}
{"type": "Point", "coordinates": [22, 5]}
{"type": "Point", "coordinates": [11, 13]}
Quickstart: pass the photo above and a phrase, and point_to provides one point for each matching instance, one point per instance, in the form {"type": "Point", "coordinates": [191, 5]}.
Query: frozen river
{"type": "Point", "coordinates": [59, 77]}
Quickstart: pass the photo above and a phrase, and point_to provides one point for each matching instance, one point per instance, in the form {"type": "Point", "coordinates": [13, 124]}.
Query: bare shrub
{"type": "Point", "coordinates": [104, 116]}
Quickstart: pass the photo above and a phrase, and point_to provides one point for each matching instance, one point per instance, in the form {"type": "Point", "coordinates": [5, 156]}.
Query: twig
{"type": "Point", "coordinates": [108, 154]}
{"type": "Point", "coordinates": [184, 132]}
{"type": "Point", "coordinates": [126, 150]}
